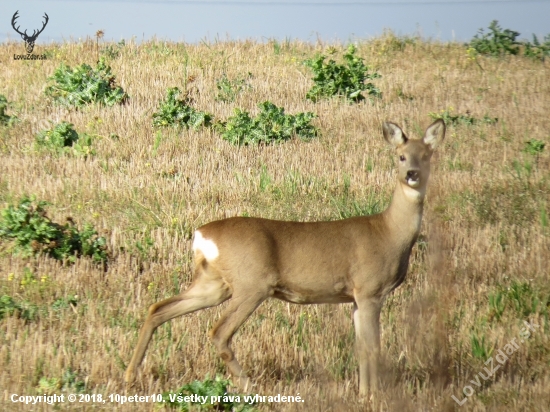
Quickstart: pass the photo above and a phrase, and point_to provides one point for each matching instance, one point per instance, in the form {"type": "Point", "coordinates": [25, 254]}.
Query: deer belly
{"type": "Point", "coordinates": [335, 293]}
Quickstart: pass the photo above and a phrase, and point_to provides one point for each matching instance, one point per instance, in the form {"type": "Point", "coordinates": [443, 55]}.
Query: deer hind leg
{"type": "Point", "coordinates": [366, 319]}
{"type": "Point", "coordinates": [238, 310]}
{"type": "Point", "coordinates": [205, 292]}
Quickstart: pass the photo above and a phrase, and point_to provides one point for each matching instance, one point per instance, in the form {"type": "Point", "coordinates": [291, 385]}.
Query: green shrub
{"type": "Point", "coordinates": [32, 233]}
{"type": "Point", "coordinates": [84, 85]}
{"type": "Point", "coordinates": [113, 51]}
{"type": "Point", "coordinates": [208, 388]}
{"type": "Point", "coordinates": [7, 306]}
{"type": "Point", "coordinates": [60, 136]}
{"type": "Point", "coordinates": [229, 89]}
{"type": "Point", "coordinates": [497, 42]}
{"type": "Point", "coordinates": [271, 125]}
{"type": "Point", "coordinates": [10, 306]}
{"type": "Point", "coordinates": [63, 138]}
{"type": "Point", "coordinates": [534, 147]}
{"type": "Point", "coordinates": [69, 382]}
{"type": "Point", "coordinates": [5, 120]}
{"type": "Point", "coordinates": [537, 49]}
{"type": "Point", "coordinates": [348, 79]}
{"type": "Point", "coordinates": [64, 303]}
{"type": "Point", "coordinates": [177, 112]}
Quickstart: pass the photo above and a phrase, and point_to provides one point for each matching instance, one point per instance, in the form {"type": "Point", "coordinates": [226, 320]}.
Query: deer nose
{"type": "Point", "coordinates": [412, 174]}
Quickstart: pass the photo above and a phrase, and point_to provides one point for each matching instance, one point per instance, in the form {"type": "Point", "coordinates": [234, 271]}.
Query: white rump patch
{"type": "Point", "coordinates": [207, 247]}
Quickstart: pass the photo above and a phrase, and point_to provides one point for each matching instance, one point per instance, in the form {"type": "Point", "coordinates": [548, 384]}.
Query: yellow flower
{"type": "Point", "coordinates": [10, 276]}
{"type": "Point", "coordinates": [471, 53]}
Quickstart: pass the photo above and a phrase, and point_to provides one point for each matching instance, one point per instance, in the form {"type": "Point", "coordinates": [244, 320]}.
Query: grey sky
{"type": "Point", "coordinates": [192, 21]}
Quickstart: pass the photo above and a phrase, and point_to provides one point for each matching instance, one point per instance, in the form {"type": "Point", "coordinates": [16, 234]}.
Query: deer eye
{"type": "Point", "coordinates": [402, 158]}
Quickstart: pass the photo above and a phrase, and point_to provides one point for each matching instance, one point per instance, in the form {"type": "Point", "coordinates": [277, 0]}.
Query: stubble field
{"type": "Point", "coordinates": [477, 273]}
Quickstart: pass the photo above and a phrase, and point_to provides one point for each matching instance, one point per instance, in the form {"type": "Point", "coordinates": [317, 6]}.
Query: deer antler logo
{"type": "Point", "coordinates": [29, 40]}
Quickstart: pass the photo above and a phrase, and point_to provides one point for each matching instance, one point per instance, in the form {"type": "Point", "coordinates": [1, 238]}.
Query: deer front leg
{"type": "Point", "coordinates": [366, 319]}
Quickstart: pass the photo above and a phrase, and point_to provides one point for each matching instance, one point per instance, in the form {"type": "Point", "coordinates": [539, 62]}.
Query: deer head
{"type": "Point", "coordinates": [29, 40]}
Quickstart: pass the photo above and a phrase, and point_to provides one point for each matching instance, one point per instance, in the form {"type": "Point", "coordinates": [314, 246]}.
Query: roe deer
{"type": "Point", "coordinates": [359, 260]}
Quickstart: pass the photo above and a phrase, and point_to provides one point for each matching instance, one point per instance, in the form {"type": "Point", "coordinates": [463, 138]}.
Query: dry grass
{"type": "Point", "coordinates": [483, 234]}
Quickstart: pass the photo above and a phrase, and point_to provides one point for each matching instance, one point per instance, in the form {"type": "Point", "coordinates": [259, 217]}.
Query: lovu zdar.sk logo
{"type": "Point", "coordinates": [29, 39]}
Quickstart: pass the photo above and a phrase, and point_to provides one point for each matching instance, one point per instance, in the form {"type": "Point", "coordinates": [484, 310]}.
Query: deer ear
{"type": "Point", "coordinates": [435, 134]}
{"type": "Point", "coordinates": [393, 134]}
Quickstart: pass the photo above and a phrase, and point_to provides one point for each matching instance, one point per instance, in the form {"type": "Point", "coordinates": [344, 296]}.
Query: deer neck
{"type": "Point", "coordinates": [404, 215]}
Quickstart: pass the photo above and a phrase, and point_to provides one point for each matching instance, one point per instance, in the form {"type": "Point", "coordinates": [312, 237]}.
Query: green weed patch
{"type": "Point", "coordinates": [496, 42]}
{"type": "Point", "coordinates": [349, 80]}
{"type": "Point", "coordinates": [85, 85]}
{"type": "Point", "coordinates": [10, 306]}
{"type": "Point", "coordinates": [229, 89]}
{"type": "Point", "coordinates": [537, 49]}
{"type": "Point", "coordinates": [5, 120]}
{"type": "Point", "coordinates": [499, 42]}
{"type": "Point", "coordinates": [198, 396]}
{"type": "Point", "coordinates": [271, 125]}
{"type": "Point", "coordinates": [534, 147]}
{"type": "Point", "coordinates": [63, 138]}
{"type": "Point", "coordinates": [178, 112]}
{"type": "Point", "coordinates": [31, 232]}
